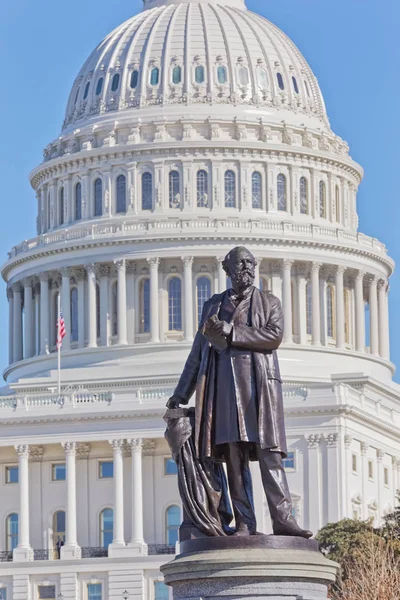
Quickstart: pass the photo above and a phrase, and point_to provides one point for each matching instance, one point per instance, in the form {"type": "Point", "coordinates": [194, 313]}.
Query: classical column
{"type": "Point", "coordinates": [17, 315]}
{"type": "Point", "coordinates": [130, 301]}
{"type": "Point", "coordinates": [364, 479]}
{"type": "Point", "coordinates": [71, 549]}
{"type": "Point", "coordinates": [340, 313]}
{"type": "Point", "coordinates": [103, 271]}
{"type": "Point", "coordinates": [301, 303]}
{"type": "Point", "coordinates": [221, 275]}
{"type": "Point", "coordinates": [287, 300]}
{"type": "Point", "coordinates": [66, 307]}
{"type": "Point", "coordinates": [122, 332]}
{"type": "Point", "coordinates": [348, 440]}
{"type": "Point", "coordinates": [10, 326]}
{"type": "Point", "coordinates": [373, 315]}
{"type": "Point", "coordinates": [315, 302]}
{"type": "Point", "coordinates": [188, 286]}
{"type": "Point", "coordinates": [360, 312]}
{"type": "Point", "coordinates": [92, 307]}
{"type": "Point", "coordinates": [80, 275]}
{"type": "Point", "coordinates": [28, 322]}
{"type": "Point", "coordinates": [23, 552]}
{"type": "Point", "coordinates": [154, 304]}
{"type": "Point", "coordinates": [137, 539]}
{"type": "Point", "coordinates": [314, 483]}
{"type": "Point", "coordinates": [384, 346]}
{"type": "Point", "coordinates": [44, 314]}
{"type": "Point", "coordinates": [118, 540]}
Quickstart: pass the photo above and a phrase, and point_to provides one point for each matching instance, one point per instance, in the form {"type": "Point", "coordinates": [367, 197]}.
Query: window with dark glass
{"type": "Point", "coordinates": [106, 469]}
{"type": "Point", "coordinates": [322, 199]}
{"type": "Point", "coordinates": [145, 306]}
{"type": "Point", "coordinates": [46, 592]}
{"type": "Point", "coordinates": [99, 87]}
{"type": "Point", "coordinates": [199, 74]}
{"type": "Point", "coordinates": [295, 86]}
{"type": "Point", "coordinates": [115, 82]}
{"type": "Point", "coordinates": [174, 189]}
{"type": "Point", "coordinates": [86, 92]}
{"type": "Point", "coordinates": [222, 75]}
{"type": "Point", "coordinates": [134, 79]}
{"type": "Point", "coordinates": [12, 474]}
{"type": "Point", "coordinates": [58, 472]}
{"type": "Point", "coordinates": [58, 528]}
{"type": "Point", "coordinates": [74, 315]}
{"type": "Point", "coordinates": [176, 75]}
{"type": "Point", "coordinates": [78, 202]}
{"type": "Point", "coordinates": [173, 522]}
{"type": "Point", "coordinates": [230, 189]}
{"type": "Point", "coordinates": [61, 207]}
{"type": "Point", "coordinates": [147, 191]}
{"type": "Point", "coordinates": [155, 76]}
{"type": "Point", "coordinates": [175, 304]}
{"type": "Point", "coordinates": [280, 81]}
{"type": "Point", "coordinates": [106, 527]}
{"type": "Point", "coordinates": [203, 288]}
{"type": "Point", "coordinates": [94, 591]}
{"type": "Point", "coordinates": [303, 196]}
{"type": "Point", "coordinates": [98, 197]}
{"type": "Point", "coordinates": [202, 188]}
{"type": "Point", "coordinates": [121, 194]}
{"type": "Point", "coordinates": [170, 467]}
{"type": "Point", "coordinates": [256, 190]}
{"type": "Point", "coordinates": [11, 532]}
{"type": "Point", "coordinates": [282, 194]}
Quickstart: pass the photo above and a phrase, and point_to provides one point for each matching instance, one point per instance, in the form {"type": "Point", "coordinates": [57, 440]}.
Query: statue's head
{"type": "Point", "coordinates": [240, 264]}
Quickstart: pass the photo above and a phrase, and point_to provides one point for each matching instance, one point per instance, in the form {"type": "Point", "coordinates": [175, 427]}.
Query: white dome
{"type": "Point", "coordinates": [183, 53]}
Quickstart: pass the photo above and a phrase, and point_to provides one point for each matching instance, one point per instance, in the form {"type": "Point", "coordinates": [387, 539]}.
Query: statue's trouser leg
{"type": "Point", "coordinates": [275, 485]}
{"type": "Point", "coordinates": [240, 485]}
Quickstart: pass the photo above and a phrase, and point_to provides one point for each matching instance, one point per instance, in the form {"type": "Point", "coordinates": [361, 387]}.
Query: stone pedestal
{"type": "Point", "coordinates": [270, 567]}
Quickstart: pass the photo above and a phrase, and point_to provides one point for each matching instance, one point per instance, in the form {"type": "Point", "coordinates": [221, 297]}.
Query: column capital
{"type": "Point", "coordinates": [120, 264]}
{"type": "Point", "coordinates": [364, 448]}
{"type": "Point", "coordinates": [154, 262]}
{"type": "Point", "coordinates": [372, 280]}
{"type": "Point", "coordinates": [10, 294]}
{"type": "Point", "coordinates": [360, 275]}
{"type": "Point", "coordinates": [22, 450]}
{"type": "Point", "coordinates": [69, 448]}
{"type": "Point", "coordinates": [44, 277]}
{"type": "Point", "coordinates": [136, 444]}
{"type": "Point", "coordinates": [103, 270]}
{"type": "Point", "coordinates": [117, 445]}
{"type": "Point", "coordinates": [82, 450]}
{"type": "Point", "coordinates": [313, 440]}
{"type": "Point", "coordinates": [149, 446]}
{"type": "Point", "coordinates": [396, 462]}
{"type": "Point", "coordinates": [340, 270]}
{"type": "Point", "coordinates": [79, 274]}
{"type": "Point", "coordinates": [348, 440]}
{"type": "Point", "coordinates": [28, 282]}
{"type": "Point", "coordinates": [287, 263]}
{"type": "Point", "coordinates": [66, 272]}
{"type": "Point", "coordinates": [187, 261]}
{"type": "Point", "coordinates": [316, 266]}
{"type": "Point", "coordinates": [91, 268]}
{"type": "Point", "coordinates": [380, 455]}
{"type": "Point", "coordinates": [36, 453]}
{"type": "Point", "coordinates": [383, 284]}
{"type": "Point", "coordinates": [130, 267]}
{"type": "Point", "coordinates": [16, 287]}
{"type": "Point", "coordinates": [331, 439]}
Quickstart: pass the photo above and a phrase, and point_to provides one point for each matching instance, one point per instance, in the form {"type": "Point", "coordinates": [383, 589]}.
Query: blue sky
{"type": "Point", "coordinates": [352, 46]}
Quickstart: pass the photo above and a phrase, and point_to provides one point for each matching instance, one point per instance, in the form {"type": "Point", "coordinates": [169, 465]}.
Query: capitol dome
{"type": "Point", "coordinates": [210, 54]}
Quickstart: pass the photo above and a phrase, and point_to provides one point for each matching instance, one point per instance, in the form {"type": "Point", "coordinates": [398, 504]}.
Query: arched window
{"type": "Point", "coordinates": [147, 191]}
{"type": "Point", "coordinates": [155, 76]}
{"type": "Point", "coordinates": [280, 81]}
{"type": "Point", "coordinates": [74, 315]}
{"type": "Point", "coordinates": [295, 86]}
{"type": "Point", "coordinates": [145, 306]}
{"type": "Point", "coordinates": [322, 199]}
{"type": "Point", "coordinates": [106, 527]}
{"type": "Point", "coordinates": [337, 203]}
{"type": "Point", "coordinates": [114, 309]}
{"type": "Point", "coordinates": [78, 202]}
{"type": "Point", "coordinates": [58, 527]}
{"type": "Point", "coordinates": [243, 76]}
{"type": "Point", "coordinates": [303, 196]}
{"type": "Point", "coordinates": [98, 197]}
{"type": "Point", "coordinates": [202, 188]}
{"type": "Point", "coordinates": [121, 194]}
{"type": "Point", "coordinates": [347, 316]}
{"type": "Point", "coordinates": [262, 77]}
{"type": "Point", "coordinates": [176, 75]}
{"type": "Point", "coordinates": [256, 190]}
{"type": "Point", "coordinates": [199, 74]}
{"type": "Point", "coordinates": [330, 311]}
{"type": "Point", "coordinates": [282, 194]}
{"type": "Point", "coordinates": [11, 532]}
{"type": "Point", "coordinates": [230, 189]}
{"type": "Point", "coordinates": [134, 79]}
{"type": "Point", "coordinates": [173, 522]}
{"type": "Point", "coordinates": [97, 310]}
{"type": "Point", "coordinates": [222, 75]}
{"type": "Point", "coordinates": [203, 293]}
{"type": "Point", "coordinates": [86, 92]}
{"type": "Point", "coordinates": [99, 87]}
{"type": "Point", "coordinates": [174, 190]}
{"type": "Point", "coordinates": [115, 82]}
{"type": "Point", "coordinates": [309, 308]}
{"type": "Point", "coordinates": [175, 304]}
{"type": "Point", "coordinates": [61, 207]}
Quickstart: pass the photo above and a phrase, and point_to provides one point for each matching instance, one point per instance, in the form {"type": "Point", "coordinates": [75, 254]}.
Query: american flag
{"type": "Point", "coordinates": [60, 330]}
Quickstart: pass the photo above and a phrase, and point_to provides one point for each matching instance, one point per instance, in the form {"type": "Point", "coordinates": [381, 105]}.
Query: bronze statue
{"type": "Point", "coordinates": [234, 370]}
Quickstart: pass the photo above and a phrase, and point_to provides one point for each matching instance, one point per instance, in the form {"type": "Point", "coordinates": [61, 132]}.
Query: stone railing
{"type": "Point", "coordinates": [46, 554]}
{"type": "Point", "coordinates": [89, 552]}
{"type": "Point", "coordinates": [137, 229]}
{"type": "Point", "coordinates": [161, 549]}
{"type": "Point", "coordinates": [71, 399]}
{"type": "Point", "coordinates": [6, 556]}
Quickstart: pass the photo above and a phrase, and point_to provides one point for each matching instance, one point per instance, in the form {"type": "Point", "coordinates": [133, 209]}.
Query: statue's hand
{"type": "Point", "coordinates": [223, 328]}
{"type": "Point", "coordinates": [173, 402]}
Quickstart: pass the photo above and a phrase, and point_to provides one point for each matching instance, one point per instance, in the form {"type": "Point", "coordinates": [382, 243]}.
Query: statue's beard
{"type": "Point", "coordinates": [243, 279]}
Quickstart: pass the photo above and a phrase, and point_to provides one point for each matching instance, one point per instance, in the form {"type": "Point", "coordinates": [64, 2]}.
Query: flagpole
{"type": "Point", "coordinates": [59, 344]}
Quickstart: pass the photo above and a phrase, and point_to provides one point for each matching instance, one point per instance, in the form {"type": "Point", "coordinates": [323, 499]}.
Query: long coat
{"type": "Point", "coordinates": [261, 338]}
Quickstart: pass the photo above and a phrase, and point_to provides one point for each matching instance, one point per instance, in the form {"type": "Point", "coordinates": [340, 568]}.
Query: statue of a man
{"type": "Point", "coordinates": [233, 367]}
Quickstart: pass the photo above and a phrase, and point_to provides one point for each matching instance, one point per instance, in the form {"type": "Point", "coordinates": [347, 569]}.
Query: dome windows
{"type": "Point", "coordinates": [78, 202]}
{"type": "Point", "coordinates": [303, 196]}
{"type": "Point", "coordinates": [282, 192]}
{"type": "Point", "coordinates": [174, 189]}
{"type": "Point", "coordinates": [98, 197]}
{"type": "Point", "coordinates": [295, 86]}
{"type": "Point", "coordinates": [230, 189]}
{"type": "Point", "coordinates": [222, 75]}
{"type": "Point", "coordinates": [121, 194]}
{"type": "Point", "coordinates": [243, 75]}
{"type": "Point", "coordinates": [280, 81]}
{"type": "Point", "coordinates": [147, 191]}
{"type": "Point", "coordinates": [199, 74]}
{"type": "Point", "coordinates": [115, 82]}
{"type": "Point", "coordinates": [202, 189]}
{"type": "Point", "coordinates": [155, 76]}
{"type": "Point", "coordinates": [176, 75]}
{"type": "Point", "coordinates": [256, 190]}
{"type": "Point", "coordinates": [99, 87]}
{"type": "Point", "coordinates": [134, 79]}
{"type": "Point", "coordinates": [262, 78]}
{"type": "Point", "coordinates": [86, 92]}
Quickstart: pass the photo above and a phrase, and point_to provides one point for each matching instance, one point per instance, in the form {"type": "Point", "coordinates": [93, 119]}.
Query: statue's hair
{"type": "Point", "coordinates": [232, 253]}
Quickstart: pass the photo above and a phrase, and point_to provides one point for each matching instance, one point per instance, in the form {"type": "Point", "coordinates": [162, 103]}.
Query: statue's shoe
{"type": "Point", "coordinates": [290, 527]}
{"type": "Point", "coordinates": [243, 531]}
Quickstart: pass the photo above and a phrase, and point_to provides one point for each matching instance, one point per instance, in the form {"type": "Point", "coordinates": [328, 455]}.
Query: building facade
{"type": "Point", "coordinates": [193, 127]}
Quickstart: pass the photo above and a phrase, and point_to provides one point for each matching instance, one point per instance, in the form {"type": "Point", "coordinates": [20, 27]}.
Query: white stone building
{"type": "Point", "coordinates": [195, 126]}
